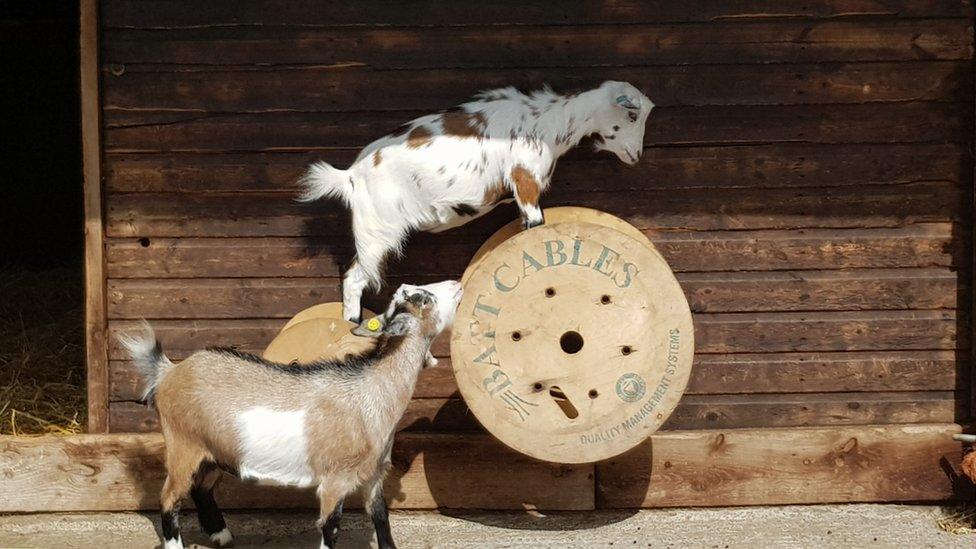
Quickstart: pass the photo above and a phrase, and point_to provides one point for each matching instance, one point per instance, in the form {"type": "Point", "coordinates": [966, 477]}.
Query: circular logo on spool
{"type": "Point", "coordinates": [631, 387]}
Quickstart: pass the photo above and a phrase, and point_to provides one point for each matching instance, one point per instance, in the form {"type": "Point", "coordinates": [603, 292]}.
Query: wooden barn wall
{"type": "Point", "coordinates": [807, 175]}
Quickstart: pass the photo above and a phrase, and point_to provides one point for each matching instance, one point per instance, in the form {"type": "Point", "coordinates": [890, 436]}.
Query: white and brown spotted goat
{"type": "Point", "coordinates": [327, 424]}
{"type": "Point", "coordinates": [443, 170]}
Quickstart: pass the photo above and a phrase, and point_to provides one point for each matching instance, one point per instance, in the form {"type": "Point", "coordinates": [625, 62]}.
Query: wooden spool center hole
{"type": "Point", "coordinates": [571, 342]}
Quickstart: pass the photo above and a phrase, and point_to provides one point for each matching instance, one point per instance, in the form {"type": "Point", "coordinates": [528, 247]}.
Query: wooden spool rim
{"type": "Point", "coordinates": [615, 360]}
{"type": "Point", "coordinates": [331, 309]}
{"type": "Point", "coordinates": [315, 334]}
{"type": "Point", "coordinates": [559, 214]}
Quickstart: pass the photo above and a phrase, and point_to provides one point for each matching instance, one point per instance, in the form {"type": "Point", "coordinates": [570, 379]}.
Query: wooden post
{"type": "Point", "coordinates": [96, 353]}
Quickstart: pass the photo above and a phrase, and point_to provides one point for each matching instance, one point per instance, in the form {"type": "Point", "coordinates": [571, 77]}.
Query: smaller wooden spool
{"type": "Point", "coordinates": [314, 334]}
{"type": "Point", "coordinates": [332, 309]}
{"type": "Point", "coordinates": [573, 342]}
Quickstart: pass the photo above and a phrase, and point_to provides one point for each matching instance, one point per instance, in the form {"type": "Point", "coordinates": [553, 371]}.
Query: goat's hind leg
{"type": "Point", "coordinates": [353, 283]}
{"type": "Point", "coordinates": [181, 464]}
{"type": "Point", "coordinates": [211, 519]}
{"type": "Point", "coordinates": [373, 246]}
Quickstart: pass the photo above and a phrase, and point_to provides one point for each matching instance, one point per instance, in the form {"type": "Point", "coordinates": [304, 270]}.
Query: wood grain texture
{"type": "Point", "coordinates": [925, 245]}
{"type": "Point", "coordinates": [561, 46]}
{"type": "Point", "coordinates": [746, 373]}
{"type": "Point", "coordinates": [912, 122]}
{"type": "Point", "coordinates": [263, 89]}
{"type": "Point", "coordinates": [866, 289]}
{"type": "Point", "coordinates": [230, 215]}
{"type": "Point", "coordinates": [693, 412]}
{"type": "Point", "coordinates": [125, 472]}
{"type": "Point", "coordinates": [272, 13]}
{"type": "Point", "coordinates": [799, 465]}
{"type": "Point", "coordinates": [96, 356]}
{"type": "Point", "coordinates": [580, 171]}
{"type": "Point", "coordinates": [731, 467]}
{"type": "Point", "coordinates": [806, 174]}
{"type": "Point", "coordinates": [715, 333]}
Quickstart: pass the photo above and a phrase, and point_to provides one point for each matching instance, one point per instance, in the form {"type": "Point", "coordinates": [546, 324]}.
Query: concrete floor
{"type": "Point", "coordinates": [822, 526]}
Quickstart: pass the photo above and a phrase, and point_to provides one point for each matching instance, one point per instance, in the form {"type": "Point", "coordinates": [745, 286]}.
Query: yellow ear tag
{"type": "Point", "coordinates": [373, 324]}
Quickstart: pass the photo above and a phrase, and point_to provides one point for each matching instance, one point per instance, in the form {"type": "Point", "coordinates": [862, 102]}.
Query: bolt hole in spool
{"type": "Point", "coordinates": [516, 336]}
{"type": "Point", "coordinates": [626, 350]}
{"type": "Point", "coordinates": [605, 299]}
{"type": "Point", "coordinates": [571, 342]}
{"type": "Point", "coordinates": [550, 292]}
{"type": "Point", "coordinates": [144, 242]}
{"type": "Point", "coordinates": [563, 402]}
{"type": "Point", "coordinates": [593, 393]}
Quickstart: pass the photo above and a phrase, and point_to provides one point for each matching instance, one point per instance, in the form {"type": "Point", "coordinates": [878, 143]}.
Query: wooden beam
{"type": "Point", "coordinates": [96, 325]}
{"type": "Point", "coordinates": [786, 466]}
{"type": "Point", "coordinates": [125, 472]}
{"type": "Point", "coordinates": [686, 468]}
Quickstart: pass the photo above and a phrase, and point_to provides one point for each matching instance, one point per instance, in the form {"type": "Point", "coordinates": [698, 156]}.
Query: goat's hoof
{"type": "Point", "coordinates": [223, 538]}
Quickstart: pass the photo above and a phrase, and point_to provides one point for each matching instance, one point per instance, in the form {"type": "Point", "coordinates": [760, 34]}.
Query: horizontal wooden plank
{"type": "Point", "coordinates": [552, 45]}
{"type": "Point", "coordinates": [730, 374]}
{"type": "Point", "coordinates": [829, 372]}
{"type": "Point", "coordinates": [813, 465]}
{"type": "Point", "coordinates": [715, 333]}
{"type": "Point", "coordinates": [797, 410]}
{"type": "Point", "coordinates": [924, 245]}
{"type": "Point", "coordinates": [868, 289]}
{"type": "Point", "coordinates": [356, 89]}
{"type": "Point", "coordinates": [167, 215]}
{"type": "Point", "coordinates": [766, 166]}
{"type": "Point", "coordinates": [834, 331]}
{"type": "Point", "coordinates": [125, 473]}
{"type": "Point", "coordinates": [303, 13]}
{"type": "Point", "coordinates": [914, 122]}
{"type": "Point", "coordinates": [693, 411]}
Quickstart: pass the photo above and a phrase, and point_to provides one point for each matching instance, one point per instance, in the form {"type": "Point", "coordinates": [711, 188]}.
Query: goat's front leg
{"type": "Point", "coordinates": [527, 188]}
{"type": "Point", "coordinates": [376, 502]}
{"type": "Point", "coordinates": [380, 516]}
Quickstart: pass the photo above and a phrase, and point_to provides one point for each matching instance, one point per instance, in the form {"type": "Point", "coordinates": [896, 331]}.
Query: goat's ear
{"type": "Point", "coordinates": [398, 326]}
{"type": "Point", "coordinates": [371, 327]}
{"type": "Point", "coordinates": [627, 103]}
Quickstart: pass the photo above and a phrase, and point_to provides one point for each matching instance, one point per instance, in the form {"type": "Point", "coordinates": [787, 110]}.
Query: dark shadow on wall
{"type": "Point", "coordinates": [961, 250]}
{"type": "Point", "coordinates": [470, 469]}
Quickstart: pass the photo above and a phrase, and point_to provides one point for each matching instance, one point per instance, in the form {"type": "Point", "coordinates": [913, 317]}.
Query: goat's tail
{"type": "Point", "coordinates": [324, 180]}
{"type": "Point", "coordinates": [147, 354]}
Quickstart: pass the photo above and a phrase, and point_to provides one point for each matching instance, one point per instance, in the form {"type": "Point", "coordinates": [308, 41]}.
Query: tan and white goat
{"type": "Point", "coordinates": [442, 170]}
{"type": "Point", "coordinates": [327, 424]}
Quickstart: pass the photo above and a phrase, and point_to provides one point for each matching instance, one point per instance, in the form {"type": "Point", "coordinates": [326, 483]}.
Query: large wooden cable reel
{"type": "Point", "coordinates": [573, 342]}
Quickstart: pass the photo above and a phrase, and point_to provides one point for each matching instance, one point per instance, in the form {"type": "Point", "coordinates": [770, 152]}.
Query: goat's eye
{"type": "Point", "coordinates": [632, 115]}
